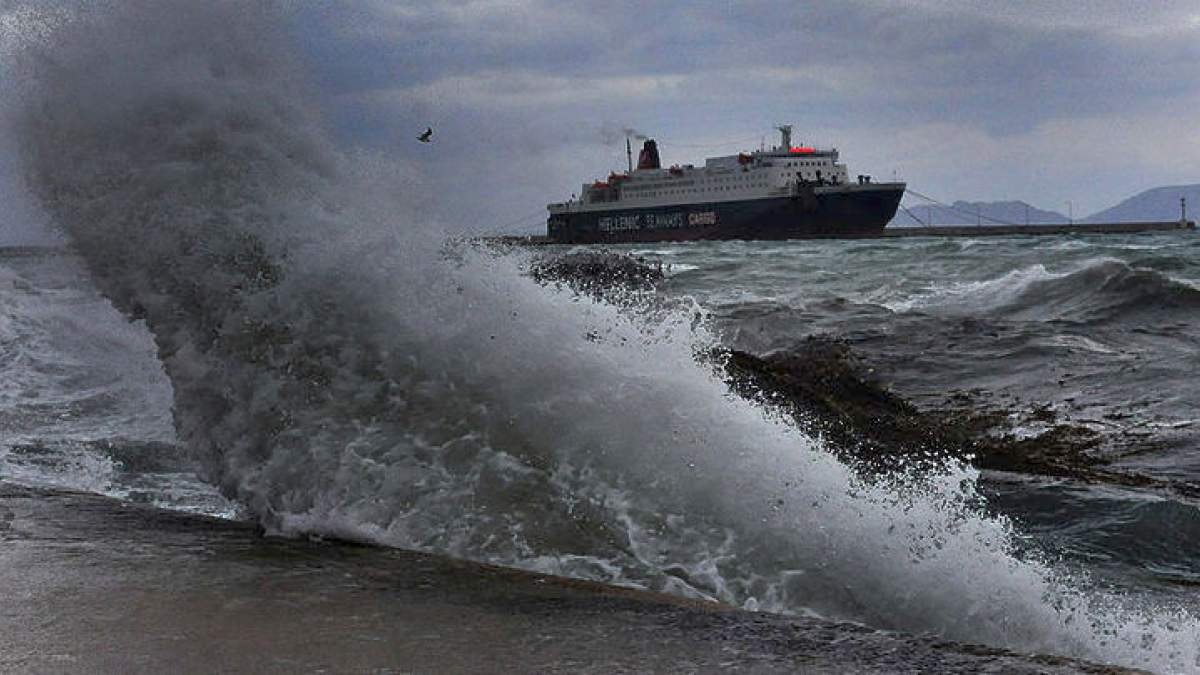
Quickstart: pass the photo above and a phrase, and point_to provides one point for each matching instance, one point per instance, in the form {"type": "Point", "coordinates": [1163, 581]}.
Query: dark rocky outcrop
{"type": "Point", "coordinates": [599, 273]}
{"type": "Point", "coordinates": [829, 392]}
{"type": "Point", "coordinates": [826, 388]}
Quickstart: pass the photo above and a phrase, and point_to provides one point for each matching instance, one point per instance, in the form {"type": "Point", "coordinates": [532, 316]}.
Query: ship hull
{"type": "Point", "coordinates": [849, 212]}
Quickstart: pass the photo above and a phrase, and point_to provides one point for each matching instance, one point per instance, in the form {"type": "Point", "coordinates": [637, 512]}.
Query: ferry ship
{"type": "Point", "coordinates": [786, 192]}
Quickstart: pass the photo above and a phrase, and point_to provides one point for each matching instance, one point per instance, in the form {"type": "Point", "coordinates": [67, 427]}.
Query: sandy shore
{"type": "Point", "coordinates": [91, 584]}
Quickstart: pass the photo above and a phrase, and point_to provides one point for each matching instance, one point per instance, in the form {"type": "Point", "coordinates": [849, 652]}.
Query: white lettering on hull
{"type": "Point", "coordinates": [655, 221]}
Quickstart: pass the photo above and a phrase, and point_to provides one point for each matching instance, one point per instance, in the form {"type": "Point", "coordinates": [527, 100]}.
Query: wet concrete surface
{"type": "Point", "coordinates": [90, 584]}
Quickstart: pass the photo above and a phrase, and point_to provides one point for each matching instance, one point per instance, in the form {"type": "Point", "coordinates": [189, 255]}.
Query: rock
{"type": "Point", "coordinates": [600, 274]}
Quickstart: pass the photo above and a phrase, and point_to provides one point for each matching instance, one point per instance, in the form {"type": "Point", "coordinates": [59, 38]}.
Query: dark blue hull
{"type": "Point", "coordinates": [860, 211]}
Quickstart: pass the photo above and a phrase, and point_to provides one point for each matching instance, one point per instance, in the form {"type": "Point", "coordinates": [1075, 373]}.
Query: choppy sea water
{"type": "Point", "coordinates": [254, 323]}
{"type": "Point", "coordinates": [92, 405]}
{"type": "Point", "coordinates": [1098, 331]}
{"type": "Point", "coordinates": [87, 405]}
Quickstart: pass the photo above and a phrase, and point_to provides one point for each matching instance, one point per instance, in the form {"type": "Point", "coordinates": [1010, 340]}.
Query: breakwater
{"type": "Point", "coordinates": [1040, 229]}
{"type": "Point", "coordinates": [950, 231]}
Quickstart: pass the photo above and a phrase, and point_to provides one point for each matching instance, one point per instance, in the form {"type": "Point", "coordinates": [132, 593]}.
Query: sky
{"type": "Point", "coordinates": [1087, 101]}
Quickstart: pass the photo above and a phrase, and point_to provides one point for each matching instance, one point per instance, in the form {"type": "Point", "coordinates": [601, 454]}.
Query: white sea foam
{"type": "Point", "coordinates": [676, 268]}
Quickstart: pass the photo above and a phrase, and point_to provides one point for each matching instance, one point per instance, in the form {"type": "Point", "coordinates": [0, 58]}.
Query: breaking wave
{"type": "Point", "coordinates": [1098, 291]}
{"type": "Point", "coordinates": [1103, 290]}
{"type": "Point", "coordinates": [338, 368]}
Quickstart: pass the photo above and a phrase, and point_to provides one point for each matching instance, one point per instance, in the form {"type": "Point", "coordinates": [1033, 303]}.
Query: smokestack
{"type": "Point", "coordinates": [629, 154]}
{"type": "Point", "coordinates": [648, 159]}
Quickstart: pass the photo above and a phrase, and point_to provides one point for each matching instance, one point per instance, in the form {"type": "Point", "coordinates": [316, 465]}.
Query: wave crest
{"type": "Point", "coordinates": [1105, 290]}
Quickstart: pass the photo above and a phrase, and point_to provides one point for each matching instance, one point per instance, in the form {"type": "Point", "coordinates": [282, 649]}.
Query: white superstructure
{"type": "Point", "coordinates": [759, 174]}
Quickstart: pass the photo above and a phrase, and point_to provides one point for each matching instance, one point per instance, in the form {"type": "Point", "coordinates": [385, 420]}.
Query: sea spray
{"type": "Point", "coordinates": [337, 368]}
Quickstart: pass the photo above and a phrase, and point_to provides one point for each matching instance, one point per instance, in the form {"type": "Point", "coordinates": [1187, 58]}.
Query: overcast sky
{"type": "Point", "coordinates": [1084, 100]}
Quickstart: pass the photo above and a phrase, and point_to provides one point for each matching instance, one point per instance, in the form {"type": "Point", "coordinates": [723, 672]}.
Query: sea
{"type": "Point", "coordinates": [250, 323]}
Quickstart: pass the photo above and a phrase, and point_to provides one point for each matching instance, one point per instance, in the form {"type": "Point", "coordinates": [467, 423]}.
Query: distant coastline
{"type": "Point", "coordinates": [1160, 204]}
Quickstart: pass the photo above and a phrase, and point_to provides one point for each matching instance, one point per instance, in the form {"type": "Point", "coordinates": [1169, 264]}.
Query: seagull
{"type": "Point", "coordinates": [425, 135]}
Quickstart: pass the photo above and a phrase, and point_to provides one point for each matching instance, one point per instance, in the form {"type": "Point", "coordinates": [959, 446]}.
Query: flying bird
{"type": "Point", "coordinates": [426, 135]}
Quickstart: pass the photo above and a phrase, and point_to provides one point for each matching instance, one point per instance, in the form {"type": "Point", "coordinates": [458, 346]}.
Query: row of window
{"type": "Point", "coordinates": [655, 186]}
{"type": "Point", "coordinates": [653, 189]}
{"type": "Point", "coordinates": [663, 193]}
{"type": "Point", "coordinates": [652, 186]}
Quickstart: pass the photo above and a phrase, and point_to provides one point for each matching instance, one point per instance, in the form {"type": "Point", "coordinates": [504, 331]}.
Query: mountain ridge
{"type": "Point", "coordinates": [1160, 203]}
{"type": "Point", "coordinates": [1151, 205]}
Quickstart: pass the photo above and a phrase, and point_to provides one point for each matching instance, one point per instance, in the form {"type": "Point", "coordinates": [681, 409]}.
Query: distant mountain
{"type": "Point", "coordinates": [1161, 203]}
{"type": "Point", "coordinates": [972, 213]}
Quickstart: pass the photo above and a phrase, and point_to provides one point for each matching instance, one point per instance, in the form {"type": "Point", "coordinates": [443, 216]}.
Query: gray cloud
{"type": "Point", "coordinates": [523, 88]}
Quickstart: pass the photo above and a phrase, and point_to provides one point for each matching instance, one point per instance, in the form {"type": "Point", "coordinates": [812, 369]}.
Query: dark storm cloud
{"type": "Point", "coordinates": [541, 80]}
{"type": "Point", "coordinates": [939, 65]}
